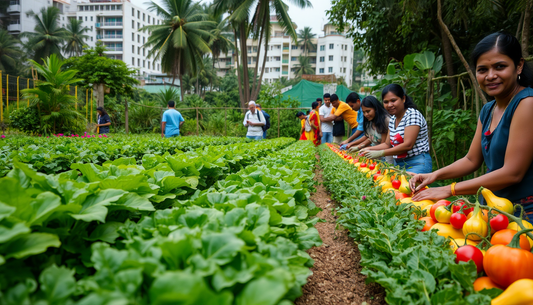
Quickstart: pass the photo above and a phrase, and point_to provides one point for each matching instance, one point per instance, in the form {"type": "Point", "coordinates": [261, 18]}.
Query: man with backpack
{"type": "Point", "coordinates": [267, 121]}
{"type": "Point", "coordinates": [254, 120]}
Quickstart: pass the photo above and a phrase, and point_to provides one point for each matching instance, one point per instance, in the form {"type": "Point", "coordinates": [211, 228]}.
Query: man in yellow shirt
{"type": "Point", "coordinates": [343, 110]}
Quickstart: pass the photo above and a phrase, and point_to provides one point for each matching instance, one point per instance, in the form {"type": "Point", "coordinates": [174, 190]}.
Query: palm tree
{"type": "Point", "coordinates": [52, 97]}
{"type": "Point", "coordinates": [303, 66]}
{"type": "Point", "coordinates": [48, 36]}
{"type": "Point", "coordinates": [260, 27]}
{"type": "Point", "coordinates": [181, 39]}
{"type": "Point", "coordinates": [306, 39]}
{"type": "Point", "coordinates": [75, 39]}
{"type": "Point", "coordinates": [168, 94]}
{"type": "Point", "coordinates": [9, 51]}
{"type": "Point", "coordinates": [220, 41]}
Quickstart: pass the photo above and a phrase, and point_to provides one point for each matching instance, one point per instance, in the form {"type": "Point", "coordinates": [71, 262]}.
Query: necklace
{"type": "Point", "coordinates": [493, 108]}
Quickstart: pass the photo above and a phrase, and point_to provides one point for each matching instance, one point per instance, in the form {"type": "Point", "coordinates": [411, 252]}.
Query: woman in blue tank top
{"type": "Point", "coordinates": [504, 137]}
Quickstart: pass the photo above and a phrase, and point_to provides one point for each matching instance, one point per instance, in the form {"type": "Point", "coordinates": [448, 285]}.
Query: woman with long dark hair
{"type": "Point", "coordinates": [407, 140]}
{"type": "Point", "coordinates": [375, 124]}
{"type": "Point", "coordinates": [503, 138]}
{"type": "Point", "coordinates": [103, 121]}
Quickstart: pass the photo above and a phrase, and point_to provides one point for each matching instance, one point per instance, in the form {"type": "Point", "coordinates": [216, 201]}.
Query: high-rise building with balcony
{"type": "Point", "coordinates": [333, 55]}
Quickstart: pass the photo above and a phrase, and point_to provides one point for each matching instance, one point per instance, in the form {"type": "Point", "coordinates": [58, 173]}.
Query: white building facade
{"type": "Point", "coordinates": [116, 23]}
{"type": "Point", "coordinates": [333, 55]}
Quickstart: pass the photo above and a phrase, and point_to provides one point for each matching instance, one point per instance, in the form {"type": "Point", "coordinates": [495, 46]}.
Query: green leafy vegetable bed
{"type": "Point", "coordinates": [414, 267]}
{"type": "Point", "coordinates": [107, 235]}
{"type": "Point", "coordinates": [56, 154]}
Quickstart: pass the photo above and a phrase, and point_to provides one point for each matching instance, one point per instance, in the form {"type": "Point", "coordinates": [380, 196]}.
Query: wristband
{"type": "Point", "coordinates": [452, 187]}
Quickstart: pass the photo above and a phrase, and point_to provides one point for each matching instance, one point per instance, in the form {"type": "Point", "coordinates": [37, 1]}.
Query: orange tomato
{"type": "Point", "coordinates": [485, 215]}
{"type": "Point", "coordinates": [429, 223]}
{"type": "Point", "coordinates": [504, 237]}
{"type": "Point", "coordinates": [485, 282]}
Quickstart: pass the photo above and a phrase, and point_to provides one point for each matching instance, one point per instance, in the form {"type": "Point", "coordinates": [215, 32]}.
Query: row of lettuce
{"type": "Point", "coordinates": [414, 267]}
{"type": "Point", "coordinates": [56, 154]}
{"type": "Point", "coordinates": [123, 233]}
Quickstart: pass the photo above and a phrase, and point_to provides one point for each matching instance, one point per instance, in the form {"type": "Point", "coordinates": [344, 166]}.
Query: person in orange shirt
{"type": "Point", "coordinates": [343, 110]}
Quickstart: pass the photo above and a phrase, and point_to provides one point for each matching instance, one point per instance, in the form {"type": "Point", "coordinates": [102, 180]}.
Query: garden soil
{"type": "Point", "coordinates": [336, 275]}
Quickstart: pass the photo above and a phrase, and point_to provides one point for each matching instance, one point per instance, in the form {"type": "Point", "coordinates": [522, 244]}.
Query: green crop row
{"type": "Point", "coordinates": [56, 154]}
{"type": "Point", "coordinates": [414, 267]}
{"type": "Point", "coordinates": [98, 238]}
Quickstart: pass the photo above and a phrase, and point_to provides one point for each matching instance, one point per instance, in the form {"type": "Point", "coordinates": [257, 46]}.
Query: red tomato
{"type": "Point", "coordinates": [396, 184]}
{"type": "Point", "coordinates": [457, 206]}
{"type": "Point", "coordinates": [376, 176]}
{"type": "Point", "coordinates": [435, 206]}
{"type": "Point", "coordinates": [400, 195]}
{"type": "Point", "coordinates": [372, 166]}
{"type": "Point", "coordinates": [363, 165]}
{"type": "Point", "coordinates": [468, 252]}
{"type": "Point", "coordinates": [457, 220]}
{"type": "Point", "coordinates": [499, 222]}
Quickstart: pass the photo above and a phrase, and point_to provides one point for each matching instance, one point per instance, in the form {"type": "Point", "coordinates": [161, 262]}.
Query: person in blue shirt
{"type": "Point", "coordinates": [172, 121]}
{"type": "Point", "coordinates": [354, 101]}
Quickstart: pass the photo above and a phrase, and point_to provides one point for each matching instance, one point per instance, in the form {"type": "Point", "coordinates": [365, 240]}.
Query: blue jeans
{"type": "Point", "coordinates": [255, 137]}
{"type": "Point", "coordinates": [264, 134]}
{"type": "Point", "coordinates": [419, 164]}
{"type": "Point", "coordinates": [327, 137]}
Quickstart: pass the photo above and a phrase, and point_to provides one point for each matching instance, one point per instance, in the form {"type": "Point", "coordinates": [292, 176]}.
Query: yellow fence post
{"type": "Point", "coordinates": [7, 91]}
{"type": "Point", "coordinates": [91, 105]}
{"type": "Point", "coordinates": [1, 99]}
{"type": "Point", "coordinates": [87, 105]}
{"type": "Point", "coordinates": [28, 87]}
{"type": "Point", "coordinates": [18, 92]}
{"type": "Point", "coordinates": [76, 95]}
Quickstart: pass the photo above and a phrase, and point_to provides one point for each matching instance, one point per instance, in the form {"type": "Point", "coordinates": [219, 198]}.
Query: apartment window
{"type": "Point", "coordinates": [132, 12]}
{"type": "Point", "coordinates": [144, 16]}
{"type": "Point", "coordinates": [277, 69]}
{"type": "Point", "coordinates": [91, 38]}
{"type": "Point", "coordinates": [158, 67]}
{"type": "Point", "coordinates": [138, 38]}
{"type": "Point", "coordinates": [330, 58]}
{"type": "Point", "coordinates": [249, 60]}
{"type": "Point", "coordinates": [346, 47]}
{"type": "Point", "coordinates": [322, 58]}
{"type": "Point", "coordinates": [80, 18]}
{"type": "Point", "coordinates": [85, 18]}
{"type": "Point", "coordinates": [133, 61]}
{"type": "Point", "coordinates": [144, 63]}
{"type": "Point", "coordinates": [293, 58]}
{"type": "Point", "coordinates": [294, 48]}
{"type": "Point", "coordinates": [97, 8]}
{"type": "Point", "coordinates": [344, 70]}
{"type": "Point", "coordinates": [91, 28]}
{"type": "Point", "coordinates": [143, 52]}
{"type": "Point", "coordinates": [340, 70]}
{"type": "Point", "coordinates": [323, 47]}
{"type": "Point", "coordinates": [92, 7]}
{"type": "Point", "coordinates": [119, 7]}
{"type": "Point", "coordinates": [132, 49]}
{"type": "Point", "coordinates": [138, 51]}
{"type": "Point", "coordinates": [139, 16]}
{"type": "Point", "coordinates": [107, 7]}
{"type": "Point", "coordinates": [277, 58]}
{"type": "Point", "coordinates": [144, 40]}
{"type": "Point", "coordinates": [271, 48]}
{"type": "Point", "coordinates": [138, 25]}
{"type": "Point", "coordinates": [268, 59]}
{"type": "Point", "coordinates": [249, 49]}
{"type": "Point", "coordinates": [80, 8]}
{"type": "Point", "coordinates": [133, 24]}
{"type": "Point", "coordinates": [331, 46]}
{"type": "Point", "coordinates": [148, 22]}
{"type": "Point", "coordinates": [321, 70]}
{"type": "Point", "coordinates": [148, 61]}
{"type": "Point", "coordinates": [254, 49]}
{"type": "Point", "coordinates": [330, 70]}
{"type": "Point", "coordinates": [138, 62]}
{"type": "Point", "coordinates": [91, 18]}
{"type": "Point", "coordinates": [132, 37]}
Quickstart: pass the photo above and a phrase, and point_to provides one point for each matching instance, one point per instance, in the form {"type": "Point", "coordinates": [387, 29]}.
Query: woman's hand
{"type": "Point", "coordinates": [345, 142]}
{"type": "Point", "coordinates": [419, 181]}
{"type": "Point", "coordinates": [434, 193]}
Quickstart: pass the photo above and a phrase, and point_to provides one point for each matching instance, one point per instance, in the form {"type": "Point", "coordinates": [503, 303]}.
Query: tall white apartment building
{"type": "Point", "coordinates": [116, 23]}
{"type": "Point", "coordinates": [333, 55]}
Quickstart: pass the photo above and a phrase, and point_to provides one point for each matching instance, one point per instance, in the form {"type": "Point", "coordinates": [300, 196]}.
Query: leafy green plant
{"type": "Point", "coordinates": [26, 119]}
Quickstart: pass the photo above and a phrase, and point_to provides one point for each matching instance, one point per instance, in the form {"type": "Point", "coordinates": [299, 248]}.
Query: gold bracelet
{"type": "Point", "coordinates": [452, 187]}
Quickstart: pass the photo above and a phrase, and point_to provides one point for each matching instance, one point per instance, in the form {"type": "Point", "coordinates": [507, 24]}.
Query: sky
{"type": "Point", "coordinates": [314, 18]}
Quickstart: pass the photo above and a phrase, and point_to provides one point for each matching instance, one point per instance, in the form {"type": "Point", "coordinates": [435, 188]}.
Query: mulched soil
{"type": "Point", "coordinates": [336, 275]}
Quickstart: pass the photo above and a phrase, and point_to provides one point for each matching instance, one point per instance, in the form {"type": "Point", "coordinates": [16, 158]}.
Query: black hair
{"type": "Point", "coordinates": [171, 103]}
{"type": "Point", "coordinates": [314, 105]}
{"type": "Point", "coordinates": [299, 114]}
{"type": "Point", "coordinates": [380, 118]}
{"type": "Point", "coordinates": [334, 97]}
{"type": "Point", "coordinates": [352, 97]}
{"type": "Point", "coordinates": [327, 95]}
{"type": "Point", "coordinates": [508, 45]}
{"type": "Point", "coordinates": [398, 91]}
{"type": "Point", "coordinates": [307, 112]}
{"type": "Point", "coordinates": [102, 109]}
{"type": "Point", "coordinates": [318, 99]}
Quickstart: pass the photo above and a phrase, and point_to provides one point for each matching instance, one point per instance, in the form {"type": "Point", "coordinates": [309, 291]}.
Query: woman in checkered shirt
{"type": "Point", "coordinates": [503, 138]}
{"type": "Point", "coordinates": [407, 140]}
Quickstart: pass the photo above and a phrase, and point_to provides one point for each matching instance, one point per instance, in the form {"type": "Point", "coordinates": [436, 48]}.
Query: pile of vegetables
{"type": "Point", "coordinates": [490, 238]}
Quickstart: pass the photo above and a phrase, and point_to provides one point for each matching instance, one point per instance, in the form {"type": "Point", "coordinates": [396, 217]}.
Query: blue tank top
{"type": "Point", "coordinates": [494, 145]}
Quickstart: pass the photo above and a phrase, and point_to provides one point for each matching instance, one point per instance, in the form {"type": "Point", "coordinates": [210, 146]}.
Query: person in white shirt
{"type": "Point", "coordinates": [254, 120]}
{"type": "Point", "coordinates": [326, 127]}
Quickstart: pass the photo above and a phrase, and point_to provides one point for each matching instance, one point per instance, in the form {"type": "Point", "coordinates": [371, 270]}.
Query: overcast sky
{"type": "Point", "coordinates": [312, 17]}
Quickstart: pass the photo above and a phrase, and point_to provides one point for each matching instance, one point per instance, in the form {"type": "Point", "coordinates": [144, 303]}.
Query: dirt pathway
{"type": "Point", "coordinates": [336, 275]}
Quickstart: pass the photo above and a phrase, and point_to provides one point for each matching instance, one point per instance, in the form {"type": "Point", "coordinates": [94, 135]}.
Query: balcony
{"type": "Point", "coordinates": [117, 23]}
{"type": "Point", "coordinates": [14, 28]}
{"type": "Point", "coordinates": [228, 63]}
{"type": "Point", "coordinates": [114, 49]}
{"type": "Point", "coordinates": [285, 49]}
{"type": "Point", "coordinates": [285, 72]}
{"type": "Point", "coordinates": [112, 37]}
{"type": "Point", "coordinates": [13, 8]}
{"type": "Point", "coordinates": [97, 25]}
{"type": "Point", "coordinates": [285, 61]}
